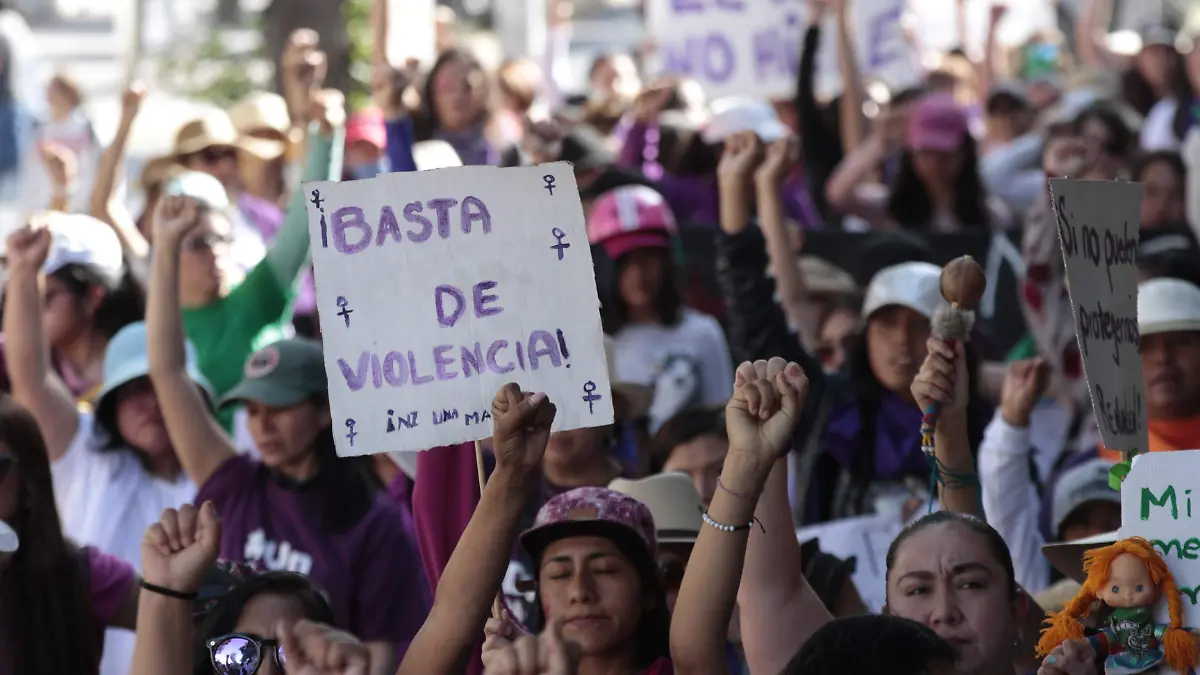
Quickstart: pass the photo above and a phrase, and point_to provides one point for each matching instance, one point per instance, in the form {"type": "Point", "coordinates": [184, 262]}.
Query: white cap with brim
{"type": "Point", "coordinates": [126, 360]}
{"type": "Point", "coordinates": [79, 239]}
{"type": "Point", "coordinates": [1082, 484]}
{"type": "Point", "coordinates": [735, 114]}
{"type": "Point", "coordinates": [673, 502]}
{"type": "Point", "coordinates": [1067, 557]}
{"type": "Point", "coordinates": [915, 285]}
{"type": "Point", "coordinates": [1168, 306]}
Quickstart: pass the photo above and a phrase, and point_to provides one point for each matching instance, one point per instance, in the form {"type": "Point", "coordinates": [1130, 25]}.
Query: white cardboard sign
{"type": "Point", "coordinates": [752, 47]}
{"type": "Point", "coordinates": [1157, 503]}
{"type": "Point", "coordinates": [435, 288]}
{"type": "Point", "coordinates": [1098, 223]}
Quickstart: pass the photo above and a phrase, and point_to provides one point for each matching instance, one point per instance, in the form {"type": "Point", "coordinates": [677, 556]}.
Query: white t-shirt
{"type": "Point", "coordinates": [107, 499]}
{"type": "Point", "coordinates": [695, 348]}
{"type": "Point", "coordinates": [1158, 129]}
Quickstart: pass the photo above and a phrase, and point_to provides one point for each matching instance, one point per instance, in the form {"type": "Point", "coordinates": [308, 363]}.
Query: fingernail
{"type": "Point", "coordinates": [537, 398]}
{"type": "Point", "coordinates": [1051, 659]}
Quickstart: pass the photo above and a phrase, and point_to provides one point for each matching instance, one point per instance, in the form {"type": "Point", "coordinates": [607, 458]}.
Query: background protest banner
{"type": "Point", "coordinates": [412, 31]}
{"type": "Point", "coordinates": [1098, 223]}
{"type": "Point", "coordinates": [435, 288]}
{"type": "Point", "coordinates": [752, 47]}
{"type": "Point", "coordinates": [1157, 504]}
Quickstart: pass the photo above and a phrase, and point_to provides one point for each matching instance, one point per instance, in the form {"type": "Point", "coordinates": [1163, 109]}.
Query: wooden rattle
{"type": "Point", "coordinates": [962, 284]}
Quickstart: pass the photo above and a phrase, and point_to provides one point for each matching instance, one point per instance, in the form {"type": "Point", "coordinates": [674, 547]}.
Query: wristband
{"type": "Point", "coordinates": [168, 592]}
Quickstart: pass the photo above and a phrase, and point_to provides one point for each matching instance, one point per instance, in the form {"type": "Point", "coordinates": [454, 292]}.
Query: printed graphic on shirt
{"type": "Point", "coordinates": [275, 556]}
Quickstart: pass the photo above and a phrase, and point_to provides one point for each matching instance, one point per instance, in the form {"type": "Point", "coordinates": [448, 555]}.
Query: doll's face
{"type": "Point", "coordinates": [1129, 584]}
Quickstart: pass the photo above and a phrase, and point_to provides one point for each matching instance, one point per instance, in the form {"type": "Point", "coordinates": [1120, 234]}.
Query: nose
{"type": "Point", "coordinates": [946, 611]}
{"type": "Point", "coordinates": [583, 589]}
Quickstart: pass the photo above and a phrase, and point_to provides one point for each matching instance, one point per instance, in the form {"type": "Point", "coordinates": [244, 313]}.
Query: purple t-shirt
{"type": "Point", "coordinates": [371, 573]}
{"type": "Point", "coordinates": [111, 580]}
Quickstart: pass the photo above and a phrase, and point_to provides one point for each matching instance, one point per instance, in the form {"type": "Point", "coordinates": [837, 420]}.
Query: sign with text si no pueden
{"type": "Point", "coordinates": [1098, 223]}
{"type": "Point", "coordinates": [1160, 501]}
{"type": "Point", "coordinates": [435, 288]}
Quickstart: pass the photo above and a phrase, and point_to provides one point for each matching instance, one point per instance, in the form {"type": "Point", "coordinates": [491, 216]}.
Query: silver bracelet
{"type": "Point", "coordinates": [723, 527]}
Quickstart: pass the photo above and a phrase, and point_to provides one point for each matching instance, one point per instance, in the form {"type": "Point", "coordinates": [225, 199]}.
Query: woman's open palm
{"type": "Point", "coordinates": [181, 547]}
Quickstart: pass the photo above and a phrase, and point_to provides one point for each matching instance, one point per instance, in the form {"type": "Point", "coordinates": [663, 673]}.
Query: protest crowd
{"type": "Point", "coordinates": [803, 474]}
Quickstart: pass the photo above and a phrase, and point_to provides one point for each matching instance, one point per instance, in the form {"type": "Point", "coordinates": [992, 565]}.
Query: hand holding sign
{"type": "Point", "coordinates": [521, 428]}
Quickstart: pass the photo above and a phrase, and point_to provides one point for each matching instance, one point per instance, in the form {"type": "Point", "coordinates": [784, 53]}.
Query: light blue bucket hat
{"type": "Point", "coordinates": [126, 360]}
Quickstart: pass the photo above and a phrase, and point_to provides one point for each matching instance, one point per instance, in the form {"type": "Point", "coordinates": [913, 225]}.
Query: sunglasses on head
{"type": "Point", "coordinates": [240, 654]}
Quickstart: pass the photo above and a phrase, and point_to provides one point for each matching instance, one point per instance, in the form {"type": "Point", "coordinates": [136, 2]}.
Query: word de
{"type": "Point", "coordinates": [1103, 325]}
{"type": "Point", "coordinates": [559, 235]}
{"type": "Point", "coordinates": [479, 295]}
{"type": "Point", "coordinates": [398, 368]}
{"type": "Point", "coordinates": [352, 233]}
{"type": "Point", "coordinates": [549, 181]}
{"type": "Point", "coordinates": [346, 311]}
{"type": "Point", "coordinates": [1086, 241]}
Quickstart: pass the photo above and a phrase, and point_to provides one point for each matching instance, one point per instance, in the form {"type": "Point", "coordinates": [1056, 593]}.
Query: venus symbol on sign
{"type": "Point", "coordinates": [350, 436]}
{"type": "Point", "coordinates": [346, 311]}
{"type": "Point", "coordinates": [549, 180]}
{"type": "Point", "coordinates": [559, 235]}
{"type": "Point", "coordinates": [590, 396]}
{"type": "Point", "coordinates": [316, 199]}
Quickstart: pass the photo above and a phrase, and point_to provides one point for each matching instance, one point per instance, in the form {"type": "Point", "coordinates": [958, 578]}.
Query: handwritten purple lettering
{"type": "Point", "coordinates": [481, 301]}
{"type": "Point", "coordinates": [353, 233]}
{"type": "Point", "coordinates": [883, 46]}
{"type": "Point", "coordinates": [539, 349]}
{"type": "Point", "coordinates": [709, 57]}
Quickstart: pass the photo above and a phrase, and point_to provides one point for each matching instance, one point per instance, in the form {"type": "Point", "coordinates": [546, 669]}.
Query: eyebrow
{"type": "Point", "coordinates": [954, 571]}
{"type": "Point", "coordinates": [589, 557]}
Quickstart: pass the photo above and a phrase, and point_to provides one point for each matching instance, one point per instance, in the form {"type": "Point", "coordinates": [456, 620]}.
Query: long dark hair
{"type": "Point", "coordinates": [344, 489]}
{"type": "Point", "coordinates": [910, 205]}
{"type": "Point", "coordinates": [869, 396]}
{"type": "Point", "coordinates": [45, 602]}
{"type": "Point", "coordinates": [123, 304]}
{"type": "Point", "coordinates": [668, 304]}
{"type": "Point", "coordinates": [224, 616]}
{"type": "Point", "coordinates": [425, 122]}
{"type": "Point", "coordinates": [871, 645]}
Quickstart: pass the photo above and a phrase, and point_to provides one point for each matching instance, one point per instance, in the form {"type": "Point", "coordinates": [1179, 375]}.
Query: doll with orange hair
{"type": "Point", "coordinates": [1129, 577]}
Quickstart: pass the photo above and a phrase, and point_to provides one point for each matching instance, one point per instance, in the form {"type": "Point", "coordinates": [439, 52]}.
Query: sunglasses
{"type": "Point", "coordinates": [672, 574]}
{"type": "Point", "coordinates": [239, 654]}
{"type": "Point", "coordinates": [214, 155]}
{"type": "Point", "coordinates": [205, 242]}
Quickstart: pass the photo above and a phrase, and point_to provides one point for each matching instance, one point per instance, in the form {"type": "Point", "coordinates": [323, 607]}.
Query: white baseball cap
{"type": "Point", "coordinates": [79, 239]}
{"type": "Point", "coordinates": [735, 114]}
{"type": "Point", "coordinates": [1079, 485]}
{"type": "Point", "coordinates": [915, 285]}
{"type": "Point", "coordinates": [1168, 305]}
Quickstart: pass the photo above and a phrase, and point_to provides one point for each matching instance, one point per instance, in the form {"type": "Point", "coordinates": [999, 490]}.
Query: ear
{"type": "Point", "coordinates": [92, 300]}
{"type": "Point", "coordinates": [1020, 607]}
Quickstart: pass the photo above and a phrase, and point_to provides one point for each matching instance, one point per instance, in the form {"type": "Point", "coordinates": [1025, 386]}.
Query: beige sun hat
{"type": "Point", "coordinates": [673, 502]}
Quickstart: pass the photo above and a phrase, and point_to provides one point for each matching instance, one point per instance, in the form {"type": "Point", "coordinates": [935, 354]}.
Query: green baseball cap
{"type": "Point", "coordinates": [281, 374]}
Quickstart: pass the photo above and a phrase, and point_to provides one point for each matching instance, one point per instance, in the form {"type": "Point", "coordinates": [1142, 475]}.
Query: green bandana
{"type": "Point", "coordinates": [1134, 627]}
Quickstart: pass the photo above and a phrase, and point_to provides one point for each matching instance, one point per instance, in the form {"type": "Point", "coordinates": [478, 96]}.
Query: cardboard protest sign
{"type": "Point", "coordinates": [412, 31]}
{"type": "Point", "coordinates": [1098, 223]}
{"type": "Point", "coordinates": [435, 288]}
{"type": "Point", "coordinates": [747, 47]}
{"type": "Point", "coordinates": [884, 53]}
{"type": "Point", "coordinates": [1157, 504]}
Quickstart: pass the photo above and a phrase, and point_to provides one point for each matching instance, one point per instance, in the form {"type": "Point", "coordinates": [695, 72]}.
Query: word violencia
{"type": "Point", "coordinates": [352, 233]}
{"type": "Point", "coordinates": [396, 368]}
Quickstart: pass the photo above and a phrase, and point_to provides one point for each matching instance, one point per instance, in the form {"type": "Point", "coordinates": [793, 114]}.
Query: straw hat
{"type": "Point", "coordinates": [260, 112]}
{"type": "Point", "coordinates": [215, 129]}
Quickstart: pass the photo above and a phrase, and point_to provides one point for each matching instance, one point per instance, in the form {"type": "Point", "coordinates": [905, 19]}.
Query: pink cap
{"type": "Point", "coordinates": [630, 217]}
{"type": "Point", "coordinates": [591, 511]}
{"type": "Point", "coordinates": [936, 122]}
{"type": "Point", "coordinates": [367, 125]}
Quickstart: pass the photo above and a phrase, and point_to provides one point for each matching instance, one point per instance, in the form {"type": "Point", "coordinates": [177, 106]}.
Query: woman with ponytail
{"type": "Point", "coordinates": [1129, 577]}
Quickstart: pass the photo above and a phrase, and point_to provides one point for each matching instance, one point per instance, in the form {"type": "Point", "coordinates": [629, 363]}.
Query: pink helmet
{"type": "Point", "coordinates": [630, 217]}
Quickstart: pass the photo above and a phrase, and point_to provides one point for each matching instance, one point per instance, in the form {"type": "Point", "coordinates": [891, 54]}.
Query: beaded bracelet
{"type": "Point", "coordinates": [722, 526]}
